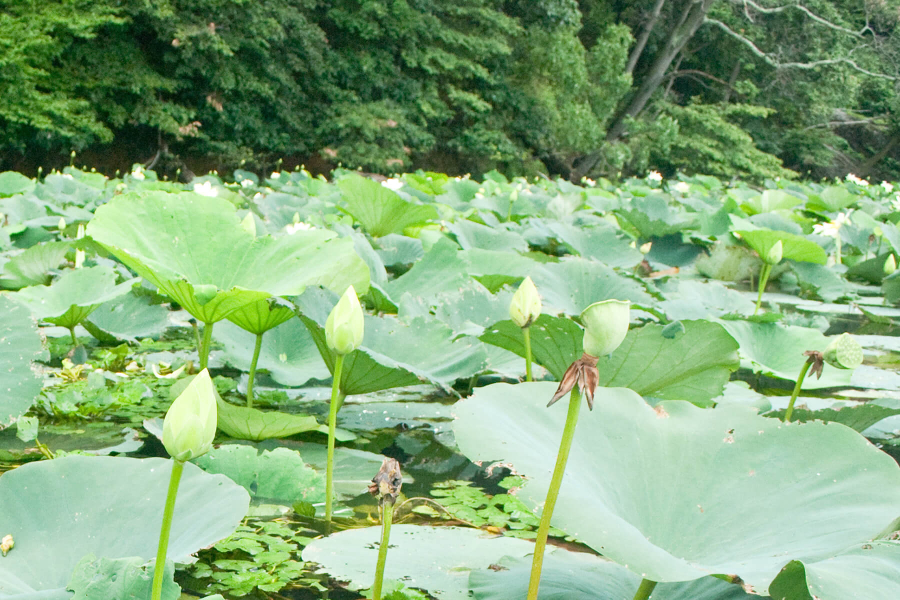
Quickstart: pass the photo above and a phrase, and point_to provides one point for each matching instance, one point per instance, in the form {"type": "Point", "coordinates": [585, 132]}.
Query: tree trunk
{"type": "Point", "coordinates": [731, 81]}
{"type": "Point", "coordinates": [876, 158]}
{"type": "Point", "coordinates": [645, 35]}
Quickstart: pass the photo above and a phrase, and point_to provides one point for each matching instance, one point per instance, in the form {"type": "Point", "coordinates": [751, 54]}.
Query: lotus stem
{"type": "Point", "coordinates": [763, 280]}
{"type": "Point", "coordinates": [74, 339]}
{"type": "Point", "coordinates": [332, 425]}
{"type": "Point", "coordinates": [205, 344]}
{"type": "Point", "coordinates": [562, 457]}
{"type": "Point", "coordinates": [253, 361]}
{"type": "Point", "coordinates": [196, 335]}
{"type": "Point", "coordinates": [837, 248]}
{"type": "Point", "coordinates": [526, 333]}
{"type": "Point", "coordinates": [790, 407]}
{"type": "Point", "coordinates": [387, 515]}
{"type": "Point", "coordinates": [159, 567]}
{"type": "Point", "coordinates": [645, 589]}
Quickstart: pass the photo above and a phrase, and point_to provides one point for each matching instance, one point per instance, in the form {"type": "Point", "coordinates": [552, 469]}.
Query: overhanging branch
{"type": "Point", "coordinates": [803, 9]}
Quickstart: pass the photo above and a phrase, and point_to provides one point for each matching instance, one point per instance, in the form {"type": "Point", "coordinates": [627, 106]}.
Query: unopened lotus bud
{"type": "Point", "coordinates": [890, 265]}
{"type": "Point", "coordinates": [190, 423]}
{"type": "Point", "coordinates": [62, 224]}
{"type": "Point", "coordinates": [844, 352]}
{"type": "Point", "coordinates": [645, 248]}
{"type": "Point", "coordinates": [79, 254]}
{"type": "Point", "coordinates": [525, 307]}
{"type": "Point", "coordinates": [7, 544]}
{"type": "Point", "coordinates": [605, 326]}
{"type": "Point", "coordinates": [344, 327]}
{"type": "Point", "coordinates": [775, 254]}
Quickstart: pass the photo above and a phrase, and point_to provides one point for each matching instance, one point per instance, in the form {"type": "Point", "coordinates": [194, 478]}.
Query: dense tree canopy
{"type": "Point", "coordinates": [580, 88]}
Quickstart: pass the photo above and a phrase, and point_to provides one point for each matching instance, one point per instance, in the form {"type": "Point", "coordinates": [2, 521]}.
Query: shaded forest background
{"type": "Point", "coordinates": [733, 88]}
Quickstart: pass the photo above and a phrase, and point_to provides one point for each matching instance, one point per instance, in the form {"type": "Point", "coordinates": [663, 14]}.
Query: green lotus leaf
{"type": "Point", "coordinates": [263, 315]}
{"type": "Point", "coordinates": [440, 270]}
{"type": "Point", "coordinates": [770, 200]}
{"type": "Point", "coordinates": [127, 318]}
{"type": "Point", "coordinates": [467, 310]}
{"type": "Point", "coordinates": [288, 352]}
{"type": "Point", "coordinates": [245, 423]}
{"type": "Point", "coordinates": [104, 578]}
{"type": "Point", "coordinates": [471, 235]}
{"type": "Point", "coordinates": [400, 250]}
{"type": "Point", "coordinates": [33, 266]}
{"type": "Point", "coordinates": [653, 488]}
{"type": "Point", "coordinates": [555, 341]}
{"type": "Point", "coordinates": [869, 570]}
{"type": "Point", "coordinates": [858, 416]}
{"type": "Point", "coordinates": [793, 247]}
{"type": "Point", "coordinates": [166, 238]}
{"type": "Point", "coordinates": [820, 281]}
{"type": "Point", "coordinates": [379, 210]}
{"type": "Point", "coordinates": [832, 199]}
{"type": "Point", "coordinates": [278, 475]}
{"type": "Point", "coordinates": [690, 299]}
{"type": "Point", "coordinates": [61, 510]}
{"type": "Point", "coordinates": [73, 296]}
{"type": "Point", "coordinates": [655, 216]}
{"type": "Point", "coordinates": [436, 559]}
{"type": "Point", "coordinates": [579, 576]}
{"type": "Point", "coordinates": [777, 351]}
{"type": "Point", "coordinates": [603, 244]}
{"type": "Point", "coordinates": [353, 469]}
{"type": "Point", "coordinates": [573, 284]}
{"type": "Point", "coordinates": [20, 344]}
{"type": "Point", "coordinates": [12, 183]}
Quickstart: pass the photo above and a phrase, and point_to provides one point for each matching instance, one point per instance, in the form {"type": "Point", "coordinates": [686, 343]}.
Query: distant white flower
{"type": "Point", "coordinates": [895, 203]}
{"type": "Point", "coordinates": [206, 189]}
{"type": "Point", "coordinates": [654, 176]}
{"type": "Point", "coordinates": [682, 187]}
{"type": "Point", "coordinates": [258, 196]}
{"type": "Point", "coordinates": [275, 175]}
{"type": "Point", "coordinates": [392, 184]}
{"type": "Point", "coordinates": [888, 187]}
{"type": "Point", "coordinates": [854, 179]}
{"type": "Point", "coordinates": [68, 176]}
{"type": "Point", "coordinates": [832, 228]}
{"type": "Point", "coordinates": [298, 226]}
{"type": "Point", "coordinates": [588, 181]}
{"type": "Point", "coordinates": [247, 183]}
{"type": "Point", "coordinates": [138, 173]}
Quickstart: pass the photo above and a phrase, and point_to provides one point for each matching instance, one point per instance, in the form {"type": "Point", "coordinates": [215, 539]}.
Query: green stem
{"type": "Point", "coordinates": [387, 515]}
{"type": "Point", "coordinates": [253, 362]}
{"type": "Point", "coordinates": [526, 333]}
{"type": "Point", "coordinates": [790, 407]}
{"type": "Point", "coordinates": [45, 451]}
{"type": "Point", "coordinates": [763, 280]}
{"type": "Point", "coordinates": [540, 543]}
{"type": "Point", "coordinates": [204, 345]}
{"type": "Point", "coordinates": [196, 335]}
{"type": "Point", "coordinates": [74, 339]}
{"type": "Point", "coordinates": [645, 589]}
{"type": "Point", "coordinates": [837, 248]}
{"type": "Point", "coordinates": [159, 567]}
{"type": "Point", "coordinates": [332, 425]}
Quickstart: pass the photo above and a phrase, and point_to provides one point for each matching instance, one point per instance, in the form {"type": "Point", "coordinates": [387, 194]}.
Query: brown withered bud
{"type": "Point", "coordinates": [582, 372]}
{"type": "Point", "coordinates": [388, 482]}
{"type": "Point", "coordinates": [817, 360]}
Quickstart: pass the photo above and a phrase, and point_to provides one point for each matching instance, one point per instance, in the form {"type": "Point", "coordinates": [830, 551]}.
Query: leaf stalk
{"type": "Point", "coordinates": [165, 529]}
{"type": "Point", "coordinates": [332, 425]}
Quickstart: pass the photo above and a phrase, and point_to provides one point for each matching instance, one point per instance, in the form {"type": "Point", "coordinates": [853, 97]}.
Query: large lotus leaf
{"type": "Point", "coordinates": [167, 237]}
{"type": "Point", "coordinates": [866, 571]}
{"type": "Point", "coordinates": [471, 235]}
{"type": "Point", "coordinates": [820, 281]}
{"type": "Point", "coordinates": [32, 266]}
{"type": "Point", "coordinates": [395, 353]}
{"type": "Point", "coordinates": [555, 341]}
{"type": "Point", "coordinates": [379, 210]}
{"type": "Point", "coordinates": [794, 247]}
{"type": "Point", "coordinates": [12, 183]}
{"type": "Point", "coordinates": [288, 352]}
{"type": "Point", "coordinates": [655, 216]}
{"type": "Point", "coordinates": [770, 200]}
{"type": "Point", "coordinates": [74, 296]}
{"type": "Point", "coordinates": [276, 475]}
{"type": "Point", "coordinates": [778, 351]}
{"type": "Point", "coordinates": [20, 344]}
{"type": "Point", "coordinates": [858, 416]}
{"type": "Point", "coordinates": [603, 244]}
{"type": "Point", "coordinates": [61, 510]}
{"type": "Point", "coordinates": [467, 310]}
{"type": "Point", "coordinates": [655, 488]}
{"type": "Point", "coordinates": [127, 318]}
{"type": "Point", "coordinates": [436, 559]}
{"type": "Point", "coordinates": [441, 270]}
{"type": "Point", "coordinates": [573, 284]}
{"type": "Point", "coordinates": [128, 578]}
{"type": "Point", "coordinates": [579, 576]}
{"type": "Point", "coordinates": [262, 315]}
{"type": "Point", "coordinates": [691, 299]}
{"type": "Point", "coordinates": [243, 423]}
{"type": "Point", "coordinates": [397, 249]}
{"type": "Point", "coordinates": [831, 199]}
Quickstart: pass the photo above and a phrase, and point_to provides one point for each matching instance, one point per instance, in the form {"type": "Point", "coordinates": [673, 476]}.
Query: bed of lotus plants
{"type": "Point", "coordinates": [436, 387]}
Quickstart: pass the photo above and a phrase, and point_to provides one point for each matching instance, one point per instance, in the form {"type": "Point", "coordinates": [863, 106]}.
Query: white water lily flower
{"type": "Point", "coordinates": [682, 187]}
{"type": "Point", "coordinates": [298, 226]}
{"type": "Point", "coordinates": [654, 176]}
{"type": "Point", "coordinates": [247, 183]}
{"type": "Point", "coordinates": [854, 179]}
{"type": "Point", "coordinates": [392, 184]}
{"type": "Point", "coordinates": [888, 187]}
{"type": "Point", "coordinates": [206, 189]}
{"type": "Point", "coordinates": [832, 228]}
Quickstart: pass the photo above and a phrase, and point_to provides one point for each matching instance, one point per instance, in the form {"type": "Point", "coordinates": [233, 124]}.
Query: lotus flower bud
{"type": "Point", "coordinates": [525, 307]}
{"type": "Point", "coordinates": [7, 544]}
{"type": "Point", "coordinates": [890, 265]}
{"type": "Point", "coordinates": [775, 253]}
{"type": "Point", "coordinates": [344, 327]}
{"type": "Point", "coordinates": [190, 424]}
{"type": "Point", "coordinates": [844, 352]}
{"type": "Point", "coordinates": [605, 326]}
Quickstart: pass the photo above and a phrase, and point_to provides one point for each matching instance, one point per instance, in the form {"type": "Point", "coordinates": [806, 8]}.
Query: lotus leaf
{"type": "Point", "coordinates": [33, 266]}
{"type": "Point", "coordinates": [127, 318]}
{"type": "Point", "coordinates": [120, 578]}
{"type": "Point", "coordinates": [575, 283]}
{"type": "Point", "coordinates": [245, 423]}
{"type": "Point", "coordinates": [579, 576]}
{"type": "Point", "coordinates": [436, 559]}
{"type": "Point", "coordinates": [603, 244]}
{"type": "Point", "coordinates": [399, 250]}
{"type": "Point", "coordinates": [655, 488]}
{"type": "Point", "coordinates": [166, 239]}
{"type": "Point", "coordinates": [379, 210]}
{"type": "Point", "coordinates": [62, 510]}
{"type": "Point", "coordinates": [353, 469]}
{"type": "Point", "coordinates": [654, 216]}
{"type": "Point", "coordinates": [75, 295]}
{"type": "Point", "coordinates": [440, 270]}
{"type": "Point", "coordinates": [12, 183]}
{"type": "Point", "coordinates": [471, 235]}
{"type": "Point", "coordinates": [794, 247]}
{"type": "Point", "coordinates": [770, 200]}
{"type": "Point", "coordinates": [20, 344]}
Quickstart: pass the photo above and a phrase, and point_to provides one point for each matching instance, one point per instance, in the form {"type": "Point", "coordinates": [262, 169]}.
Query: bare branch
{"type": "Point", "coordinates": [836, 124]}
{"type": "Point", "coordinates": [792, 65]}
{"type": "Point", "coordinates": [644, 36]}
{"type": "Point", "coordinates": [804, 10]}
